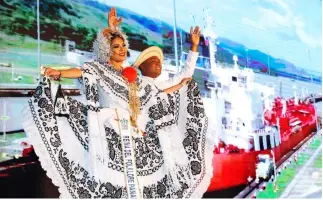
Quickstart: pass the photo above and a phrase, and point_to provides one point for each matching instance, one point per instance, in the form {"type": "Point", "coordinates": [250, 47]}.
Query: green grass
{"type": "Point", "coordinates": [302, 158]}
{"type": "Point", "coordinates": [9, 139]}
{"type": "Point", "coordinates": [66, 81]}
{"type": "Point", "coordinates": [13, 136]}
{"type": "Point", "coordinates": [283, 180]}
{"type": "Point", "coordinates": [6, 78]}
{"type": "Point", "coordinates": [22, 63]}
{"type": "Point", "coordinates": [316, 143]}
{"type": "Point", "coordinates": [51, 47]}
{"type": "Point", "coordinates": [18, 43]}
{"type": "Point", "coordinates": [97, 20]}
{"type": "Point", "coordinates": [289, 173]}
{"type": "Point", "coordinates": [318, 161]}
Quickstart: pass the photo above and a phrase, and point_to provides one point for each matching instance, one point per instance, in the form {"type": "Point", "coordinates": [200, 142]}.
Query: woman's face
{"type": "Point", "coordinates": [118, 50]}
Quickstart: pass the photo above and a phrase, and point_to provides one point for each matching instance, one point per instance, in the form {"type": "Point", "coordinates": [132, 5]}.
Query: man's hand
{"type": "Point", "coordinates": [177, 86]}
{"type": "Point", "coordinates": [195, 38]}
{"type": "Point", "coordinates": [113, 20]}
{"type": "Point", "coordinates": [185, 80]}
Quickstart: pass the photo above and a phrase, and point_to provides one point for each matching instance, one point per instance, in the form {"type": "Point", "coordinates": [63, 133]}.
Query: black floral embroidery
{"type": "Point", "coordinates": [162, 189]}
{"type": "Point", "coordinates": [42, 103]}
{"type": "Point", "coordinates": [159, 110]}
{"type": "Point", "coordinates": [47, 92]}
{"type": "Point", "coordinates": [196, 167]}
{"type": "Point", "coordinates": [79, 184]}
{"type": "Point", "coordinates": [118, 90]}
{"type": "Point", "coordinates": [110, 191]}
{"type": "Point", "coordinates": [83, 193]}
{"type": "Point", "coordinates": [114, 145]}
{"type": "Point", "coordinates": [91, 92]}
{"type": "Point", "coordinates": [77, 120]}
{"type": "Point", "coordinates": [38, 91]}
{"type": "Point", "coordinates": [148, 155]}
{"type": "Point", "coordinates": [146, 97]}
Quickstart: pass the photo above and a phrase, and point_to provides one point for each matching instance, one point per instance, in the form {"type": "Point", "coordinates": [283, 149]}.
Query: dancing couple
{"type": "Point", "coordinates": [131, 136]}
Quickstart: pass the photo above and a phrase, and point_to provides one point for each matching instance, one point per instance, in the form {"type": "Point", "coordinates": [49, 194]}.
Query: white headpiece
{"type": "Point", "coordinates": [102, 43]}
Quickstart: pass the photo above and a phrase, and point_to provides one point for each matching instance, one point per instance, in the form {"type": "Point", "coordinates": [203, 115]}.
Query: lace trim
{"type": "Point", "coordinates": [39, 145]}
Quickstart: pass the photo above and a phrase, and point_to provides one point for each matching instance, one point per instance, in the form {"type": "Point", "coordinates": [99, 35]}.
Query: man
{"type": "Point", "coordinates": [150, 62]}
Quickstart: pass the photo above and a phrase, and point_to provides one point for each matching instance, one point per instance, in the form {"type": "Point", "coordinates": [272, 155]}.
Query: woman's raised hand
{"type": "Point", "coordinates": [113, 20]}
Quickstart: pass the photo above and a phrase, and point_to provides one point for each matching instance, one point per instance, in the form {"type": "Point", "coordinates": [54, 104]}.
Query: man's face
{"type": "Point", "coordinates": [151, 67]}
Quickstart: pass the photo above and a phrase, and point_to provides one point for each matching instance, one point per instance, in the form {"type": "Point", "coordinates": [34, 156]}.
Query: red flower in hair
{"type": "Point", "coordinates": [130, 74]}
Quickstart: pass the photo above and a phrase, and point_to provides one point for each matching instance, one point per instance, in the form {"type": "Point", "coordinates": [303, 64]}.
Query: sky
{"type": "Point", "coordinates": [286, 29]}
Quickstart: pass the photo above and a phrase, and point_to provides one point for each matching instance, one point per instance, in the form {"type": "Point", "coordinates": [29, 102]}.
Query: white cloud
{"type": "Point", "coordinates": [270, 19]}
{"type": "Point", "coordinates": [253, 24]}
{"type": "Point", "coordinates": [166, 12]}
{"type": "Point", "coordinates": [282, 3]}
{"type": "Point", "coordinates": [228, 8]}
{"type": "Point", "coordinates": [305, 37]}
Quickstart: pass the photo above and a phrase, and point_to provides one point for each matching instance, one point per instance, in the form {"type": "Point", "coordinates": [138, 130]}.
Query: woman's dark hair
{"type": "Point", "coordinates": [116, 35]}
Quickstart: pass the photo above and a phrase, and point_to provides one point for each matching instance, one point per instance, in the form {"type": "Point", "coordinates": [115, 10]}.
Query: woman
{"type": "Point", "coordinates": [94, 152]}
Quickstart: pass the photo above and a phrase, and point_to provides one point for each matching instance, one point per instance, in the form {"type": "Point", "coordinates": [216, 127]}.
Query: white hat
{"type": "Point", "coordinates": [148, 53]}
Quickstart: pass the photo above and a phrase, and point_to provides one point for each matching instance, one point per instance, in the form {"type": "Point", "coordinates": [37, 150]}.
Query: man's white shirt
{"type": "Point", "coordinates": [186, 72]}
